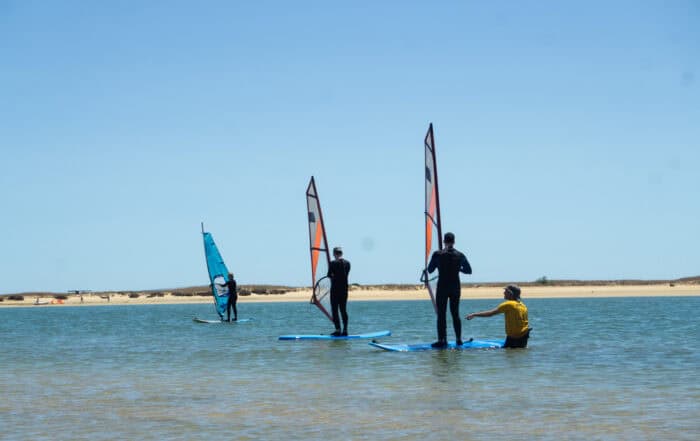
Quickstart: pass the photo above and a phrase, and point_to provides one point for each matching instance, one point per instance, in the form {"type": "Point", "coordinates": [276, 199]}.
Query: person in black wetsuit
{"type": "Point", "coordinates": [449, 263]}
{"type": "Point", "coordinates": [232, 298]}
{"type": "Point", "coordinates": [338, 273]}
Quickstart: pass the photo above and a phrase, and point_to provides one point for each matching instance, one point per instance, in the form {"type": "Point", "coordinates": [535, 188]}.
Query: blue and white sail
{"type": "Point", "coordinates": [218, 273]}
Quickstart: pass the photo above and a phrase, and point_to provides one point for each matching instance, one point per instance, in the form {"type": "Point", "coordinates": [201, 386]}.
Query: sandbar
{"type": "Point", "coordinates": [408, 292]}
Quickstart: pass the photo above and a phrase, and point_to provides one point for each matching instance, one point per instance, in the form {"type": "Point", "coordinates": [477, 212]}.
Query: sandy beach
{"type": "Point", "coordinates": [358, 294]}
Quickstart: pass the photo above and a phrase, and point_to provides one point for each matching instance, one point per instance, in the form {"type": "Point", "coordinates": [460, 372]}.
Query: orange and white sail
{"type": "Point", "coordinates": [433, 228]}
{"type": "Point", "coordinates": [320, 256]}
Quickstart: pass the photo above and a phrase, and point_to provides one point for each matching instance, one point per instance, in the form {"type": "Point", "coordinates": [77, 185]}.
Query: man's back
{"type": "Point", "coordinates": [449, 262]}
{"type": "Point", "coordinates": [515, 317]}
{"type": "Point", "coordinates": [338, 272]}
{"type": "Point", "coordinates": [232, 288]}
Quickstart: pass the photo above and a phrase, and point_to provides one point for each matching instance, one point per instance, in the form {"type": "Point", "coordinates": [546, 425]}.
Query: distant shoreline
{"type": "Point", "coordinates": [358, 293]}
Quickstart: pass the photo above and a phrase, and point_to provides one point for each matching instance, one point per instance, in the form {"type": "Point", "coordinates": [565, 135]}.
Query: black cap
{"type": "Point", "coordinates": [514, 290]}
{"type": "Point", "coordinates": [337, 250]}
{"type": "Point", "coordinates": [449, 237]}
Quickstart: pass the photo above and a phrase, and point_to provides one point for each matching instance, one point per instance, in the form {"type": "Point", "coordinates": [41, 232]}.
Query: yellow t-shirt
{"type": "Point", "coordinates": [516, 317]}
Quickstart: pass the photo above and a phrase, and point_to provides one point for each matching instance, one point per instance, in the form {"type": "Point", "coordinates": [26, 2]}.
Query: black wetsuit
{"type": "Point", "coordinates": [449, 263]}
{"type": "Point", "coordinates": [232, 299]}
{"type": "Point", "coordinates": [338, 273]}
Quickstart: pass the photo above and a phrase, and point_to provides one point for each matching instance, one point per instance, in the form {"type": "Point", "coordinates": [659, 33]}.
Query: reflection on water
{"type": "Point", "coordinates": [595, 369]}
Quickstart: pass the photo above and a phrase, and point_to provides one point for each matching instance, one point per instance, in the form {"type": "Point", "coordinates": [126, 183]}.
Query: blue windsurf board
{"type": "Point", "coordinates": [330, 337]}
{"type": "Point", "coordinates": [199, 320]}
{"type": "Point", "coordinates": [471, 344]}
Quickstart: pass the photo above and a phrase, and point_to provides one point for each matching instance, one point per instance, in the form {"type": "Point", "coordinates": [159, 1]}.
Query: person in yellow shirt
{"type": "Point", "coordinates": [517, 328]}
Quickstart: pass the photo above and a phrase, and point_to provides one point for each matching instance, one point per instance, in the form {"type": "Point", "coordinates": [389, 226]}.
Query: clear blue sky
{"type": "Point", "coordinates": [568, 138]}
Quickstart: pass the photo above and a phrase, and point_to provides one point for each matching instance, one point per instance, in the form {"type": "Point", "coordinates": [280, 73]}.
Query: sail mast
{"type": "Point", "coordinates": [437, 189]}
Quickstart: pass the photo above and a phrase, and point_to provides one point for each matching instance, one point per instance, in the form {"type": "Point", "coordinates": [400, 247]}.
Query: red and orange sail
{"type": "Point", "coordinates": [320, 256]}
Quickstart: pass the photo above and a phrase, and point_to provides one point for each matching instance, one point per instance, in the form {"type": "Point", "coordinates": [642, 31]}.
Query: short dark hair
{"type": "Point", "coordinates": [338, 250]}
{"type": "Point", "coordinates": [449, 237]}
{"type": "Point", "coordinates": [514, 290]}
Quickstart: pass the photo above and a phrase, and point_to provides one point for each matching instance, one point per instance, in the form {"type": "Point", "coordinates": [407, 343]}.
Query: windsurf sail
{"type": "Point", "coordinates": [433, 228]}
{"type": "Point", "coordinates": [320, 257]}
{"type": "Point", "coordinates": [218, 273]}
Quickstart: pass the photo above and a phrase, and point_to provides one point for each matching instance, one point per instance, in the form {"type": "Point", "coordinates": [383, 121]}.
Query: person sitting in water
{"type": "Point", "coordinates": [517, 329]}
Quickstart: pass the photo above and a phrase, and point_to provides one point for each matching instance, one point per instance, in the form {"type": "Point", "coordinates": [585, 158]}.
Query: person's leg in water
{"type": "Point", "coordinates": [441, 304]}
{"type": "Point", "coordinates": [343, 305]}
{"type": "Point", "coordinates": [235, 310]}
{"type": "Point", "coordinates": [334, 310]}
{"type": "Point", "coordinates": [456, 321]}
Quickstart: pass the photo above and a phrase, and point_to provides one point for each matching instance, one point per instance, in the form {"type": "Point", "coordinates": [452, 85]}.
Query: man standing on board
{"type": "Point", "coordinates": [338, 273]}
{"type": "Point", "coordinates": [449, 263]}
{"type": "Point", "coordinates": [232, 298]}
{"type": "Point", "coordinates": [517, 328]}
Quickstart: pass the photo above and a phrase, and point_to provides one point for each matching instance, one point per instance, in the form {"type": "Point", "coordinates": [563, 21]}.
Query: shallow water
{"type": "Point", "coordinates": [602, 369]}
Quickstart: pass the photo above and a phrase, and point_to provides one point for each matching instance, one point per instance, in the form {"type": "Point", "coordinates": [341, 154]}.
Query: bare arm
{"type": "Point", "coordinates": [488, 313]}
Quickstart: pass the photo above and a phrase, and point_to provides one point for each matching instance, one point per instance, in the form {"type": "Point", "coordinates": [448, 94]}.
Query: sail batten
{"type": "Point", "coordinates": [318, 249]}
{"type": "Point", "coordinates": [433, 227]}
{"type": "Point", "coordinates": [218, 273]}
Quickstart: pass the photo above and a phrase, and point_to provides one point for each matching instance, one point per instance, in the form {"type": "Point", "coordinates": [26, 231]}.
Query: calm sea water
{"type": "Point", "coordinates": [596, 369]}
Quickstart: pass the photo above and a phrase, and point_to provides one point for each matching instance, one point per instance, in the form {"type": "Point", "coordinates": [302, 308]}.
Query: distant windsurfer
{"type": "Point", "coordinates": [517, 327]}
{"type": "Point", "coordinates": [449, 263]}
{"type": "Point", "coordinates": [338, 271]}
{"type": "Point", "coordinates": [232, 298]}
